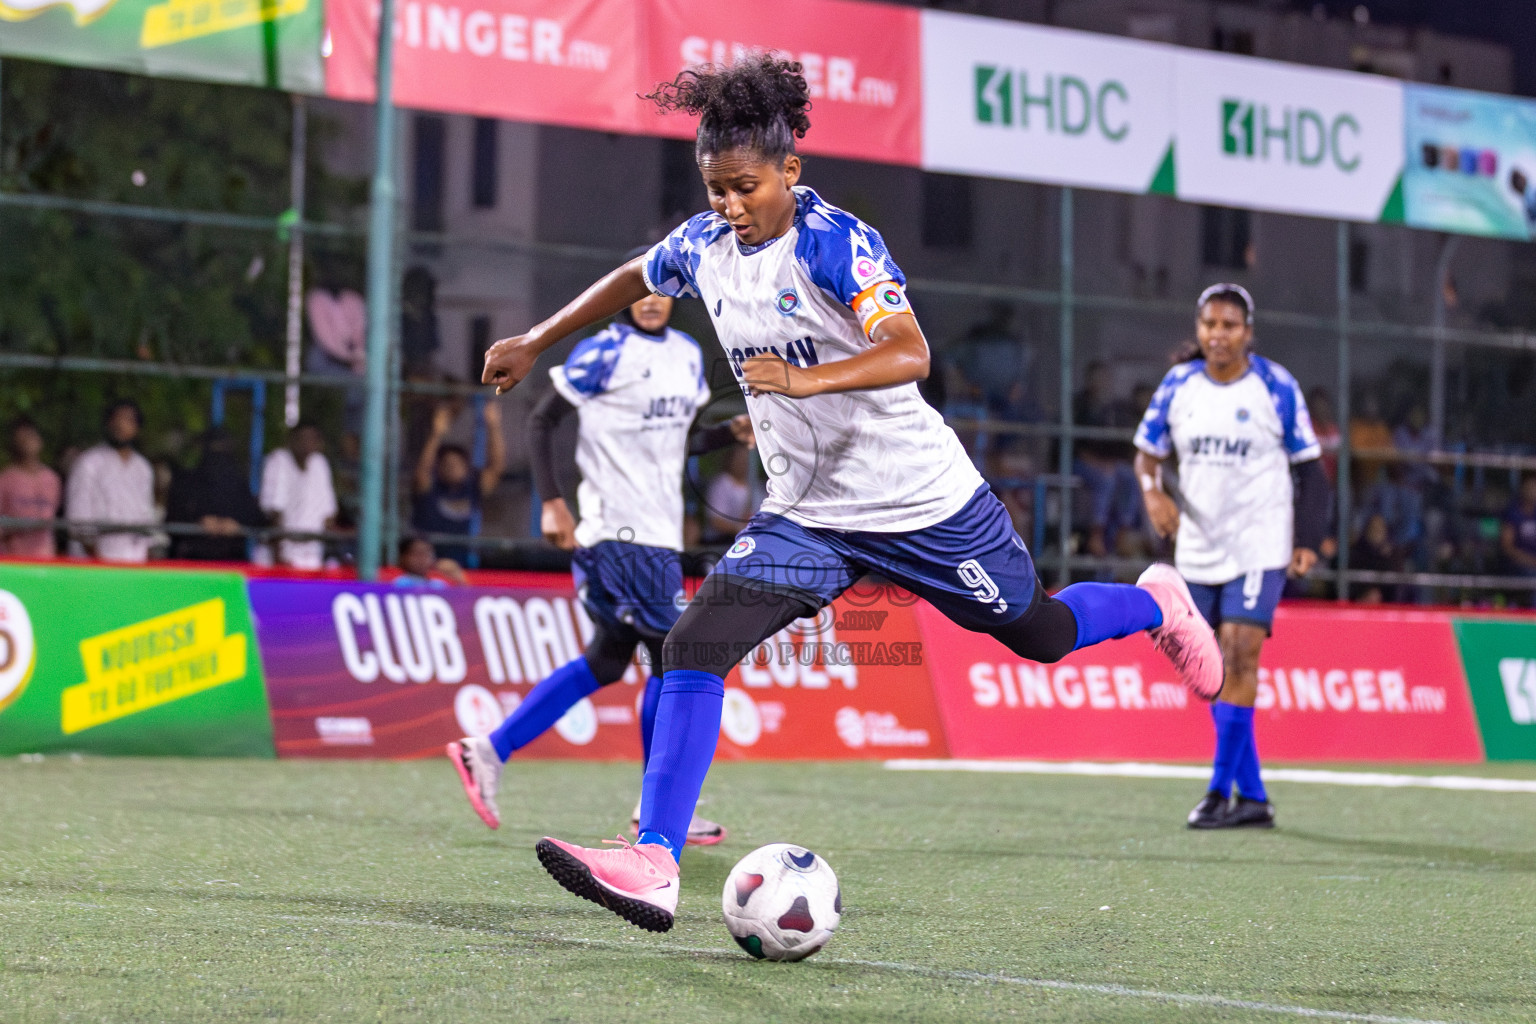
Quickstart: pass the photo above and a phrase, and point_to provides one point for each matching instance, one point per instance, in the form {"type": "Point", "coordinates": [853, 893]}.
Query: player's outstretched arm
{"type": "Point", "coordinates": [899, 356]}
{"type": "Point", "coordinates": [511, 359]}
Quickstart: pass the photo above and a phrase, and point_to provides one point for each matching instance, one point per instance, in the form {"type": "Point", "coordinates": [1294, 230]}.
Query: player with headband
{"type": "Point", "coordinates": [863, 475]}
{"type": "Point", "coordinates": [1240, 428]}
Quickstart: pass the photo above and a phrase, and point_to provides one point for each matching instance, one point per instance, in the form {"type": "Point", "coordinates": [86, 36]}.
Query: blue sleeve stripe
{"type": "Point", "coordinates": [842, 254]}
{"type": "Point", "coordinates": [1152, 435]}
{"type": "Point", "coordinates": [589, 367]}
{"type": "Point", "coordinates": [1301, 442]}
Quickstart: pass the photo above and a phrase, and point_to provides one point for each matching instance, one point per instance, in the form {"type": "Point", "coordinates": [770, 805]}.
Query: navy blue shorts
{"type": "Point", "coordinates": [972, 566]}
{"type": "Point", "coordinates": [1250, 598]}
{"type": "Point", "coordinates": [630, 585]}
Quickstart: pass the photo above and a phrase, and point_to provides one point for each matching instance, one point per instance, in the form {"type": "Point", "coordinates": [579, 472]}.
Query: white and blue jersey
{"type": "Point", "coordinates": [1235, 443]}
{"type": "Point", "coordinates": [637, 395]}
{"type": "Point", "coordinates": [872, 461]}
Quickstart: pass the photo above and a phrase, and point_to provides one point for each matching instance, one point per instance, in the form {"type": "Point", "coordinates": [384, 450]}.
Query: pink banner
{"type": "Point", "coordinates": [583, 62]}
{"type": "Point", "coordinates": [1334, 685]}
{"type": "Point", "coordinates": [569, 62]}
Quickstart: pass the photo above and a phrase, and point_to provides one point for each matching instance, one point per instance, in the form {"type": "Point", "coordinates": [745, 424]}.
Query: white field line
{"type": "Point", "coordinates": [1142, 770]}
{"type": "Point", "coordinates": [635, 947]}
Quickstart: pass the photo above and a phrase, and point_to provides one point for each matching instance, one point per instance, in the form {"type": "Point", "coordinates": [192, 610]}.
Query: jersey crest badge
{"type": "Point", "coordinates": [742, 548]}
{"type": "Point", "coordinates": [787, 302]}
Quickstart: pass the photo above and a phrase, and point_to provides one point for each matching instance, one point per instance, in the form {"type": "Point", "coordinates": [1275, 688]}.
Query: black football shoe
{"type": "Point", "coordinates": [1245, 813]}
{"type": "Point", "coordinates": [1210, 812]}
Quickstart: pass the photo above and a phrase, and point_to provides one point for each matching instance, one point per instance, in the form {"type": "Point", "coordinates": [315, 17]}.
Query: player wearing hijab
{"type": "Point", "coordinates": [863, 475]}
{"type": "Point", "coordinates": [635, 388]}
{"type": "Point", "coordinates": [1239, 426]}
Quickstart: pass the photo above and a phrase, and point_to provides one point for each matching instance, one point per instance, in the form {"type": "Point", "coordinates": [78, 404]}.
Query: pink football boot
{"type": "Point", "coordinates": [639, 883]}
{"type": "Point", "coordinates": [1184, 637]}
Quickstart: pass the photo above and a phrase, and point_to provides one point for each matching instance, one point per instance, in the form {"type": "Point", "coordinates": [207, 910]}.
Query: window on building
{"type": "Point", "coordinates": [682, 190]}
{"type": "Point", "coordinates": [479, 342]}
{"type": "Point", "coordinates": [1232, 40]}
{"type": "Point", "coordinates": [483, 182]}
{"type": "Point", "coordinates": [1359, 265]}
{"type": "Point", "coordinates": [947, 212]}
{"type": "Point", "coordinates": [1226, 237]}
{"type": "Point", "coordinates": [428, 157]}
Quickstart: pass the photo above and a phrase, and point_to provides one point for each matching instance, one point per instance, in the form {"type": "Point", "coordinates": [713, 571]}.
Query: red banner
{"type": "Point", "coordinates": [570, 62]}
{"type": "Point", "coordinates": [357, 671]}
{"type": "Point", "coordinates": [1334, 685]}
{"type": "Point", "coordinates": [583, 62]}
{"type": "Point", "coordinates": [862, 62]}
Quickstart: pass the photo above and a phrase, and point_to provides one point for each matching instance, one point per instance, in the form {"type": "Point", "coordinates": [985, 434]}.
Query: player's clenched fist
{"type": "Point", "coordinates": [508, 361]}
{"type": "Point", "coordinates": [770, 375]}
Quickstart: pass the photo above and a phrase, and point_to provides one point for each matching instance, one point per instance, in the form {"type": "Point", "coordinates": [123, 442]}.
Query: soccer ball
{"type": "Point", "coordinates": [782, 902]}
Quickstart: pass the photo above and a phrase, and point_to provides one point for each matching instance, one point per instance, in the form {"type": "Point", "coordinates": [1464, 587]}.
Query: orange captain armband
{"type": "Point", "coordinates": [879, 301]}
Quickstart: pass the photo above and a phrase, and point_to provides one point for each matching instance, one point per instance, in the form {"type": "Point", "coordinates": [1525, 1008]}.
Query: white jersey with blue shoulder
{"type": "Point", "coordinates": [636, 395]}
{"type": "Point", "coordinates": [1236, 444]}
{"type": "Point", "coordinates": [882, 461]}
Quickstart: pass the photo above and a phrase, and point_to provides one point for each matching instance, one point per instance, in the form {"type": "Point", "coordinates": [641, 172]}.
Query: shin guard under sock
{"type": "Point", "coordinates": [543, 706]}
{"type": "Point", "coordinates": [682, 747]}
{"type": "Point", "coordinates": [1108, 611]}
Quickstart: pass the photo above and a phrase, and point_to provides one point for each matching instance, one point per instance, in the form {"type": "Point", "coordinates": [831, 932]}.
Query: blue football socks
{"type": "Point", "coordinates": [648, 702]}
{"type": "Point", "coordinates": [1249, 783]}
{"type": "Point", "coordinates": [543, 706]}
{"type": "Point", "coordinates": [682, 746]}
{"type": "Point", "coordinates": [1234, 735]}
{"type": "Point", "coordinates": [1109, 611]}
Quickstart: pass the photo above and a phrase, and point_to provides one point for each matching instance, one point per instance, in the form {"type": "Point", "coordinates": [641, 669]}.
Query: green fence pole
{"type": "Point", "coordinates": [1067, 310]}
{"type": "Point", "coordinates": [1342, 289]}
{"type": "Point", "coordinates": [381, 305]}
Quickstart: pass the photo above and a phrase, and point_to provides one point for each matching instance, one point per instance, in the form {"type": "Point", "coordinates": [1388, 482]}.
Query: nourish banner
{"type": "Point", "coordinates": [274, 43]}
{"type": "Point", "coordinates": [129, 661]}
{"type": "Point", "coordinates": [1470, 162]}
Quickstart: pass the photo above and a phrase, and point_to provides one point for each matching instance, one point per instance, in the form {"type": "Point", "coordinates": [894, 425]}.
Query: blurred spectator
{"type": "Point", "coordinates": [1517, 534]}
{"type": "Point", "coordinates": [1398, 503]}
{"type": "Point", "coordinates": [997, 361]}
{"type": "Point", "coordinates": [217, 497]}
{"type": "Point", "coordinates": [1325, 423]}
{"type": "Point", "coordinates": [113, 483]}
{"type": "Point", "coordinates": [1114, 499]}
{"type": "Point", "coordinates": [418, 561]}
{"type": "Point", "coordinates": [28, 490]}
{"type": "Point", "coordinates": [297, 492]}
{"type": "Point", "coordinates": [728, 502]}
{"type": "Point", "coordinates": [448, 493]}
{"type": "Point", "coordinates": [1375, 552]}
{"type": "Point", "coordinates": [1412, 436]}
{"type": "Point", "coordinates": [1369, 432]}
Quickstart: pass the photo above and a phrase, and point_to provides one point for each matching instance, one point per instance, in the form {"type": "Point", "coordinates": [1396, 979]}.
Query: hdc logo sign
{"type": "Point", "coordinates": [1064, 103]}
{"type": "Point", "coordinates": [1300, 136]}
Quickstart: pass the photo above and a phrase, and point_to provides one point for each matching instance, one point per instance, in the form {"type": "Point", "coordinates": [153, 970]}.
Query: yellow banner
{"type": "Point", "coordinates": [151, 663]}
{"type": "Point", "coordinates": [176, 20]}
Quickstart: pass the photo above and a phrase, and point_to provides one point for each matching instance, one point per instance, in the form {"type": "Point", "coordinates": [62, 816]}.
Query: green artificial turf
{"type": "Point", "coordinates": [180, 890]}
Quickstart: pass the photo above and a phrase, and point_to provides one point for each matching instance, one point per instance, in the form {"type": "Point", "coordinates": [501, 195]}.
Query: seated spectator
{"type": "Point", "coordinates": [1413, 436]}
{"type": "Point", "coordinates": [113, 483]}
{"type": "Point", "coordinates": [1368, 432]}
{"type": "Point", "coordinates": [418, 561]}
{"type": "Point", "coordinates": [1517, 534]}
{"type": "Point", "coordinates": [728, 501]}
{"type": "Point", "coordinates": [1375, 552]}
{"type": "Point", "coordinates": [216, 496]}
{"type": "Point", "coordinates": [1398, 503]}
{"type": "Point", "coordinates": [28, 490]}
{"type": "Point", "coordinates": [298, 494]}
{"type": "Point", "coordinates": [448, 493]}
{"type": "Point", "coordinates": [1114, 499]}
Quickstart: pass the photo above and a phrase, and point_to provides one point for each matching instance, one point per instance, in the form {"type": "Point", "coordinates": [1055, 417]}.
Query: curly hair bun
{"type": "Point", "coordinates": [758, 101]}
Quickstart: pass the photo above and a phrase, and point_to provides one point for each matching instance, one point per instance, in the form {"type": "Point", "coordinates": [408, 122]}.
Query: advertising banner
{"type": "Point", "coordinates": [1500, 659]}
{"type": "Point", "coordinates": [568, 62]}
{"type": "Point", "coordinates": [126, 661]}
{"type": "Point", "coordinates": [1271, 136]}
{"type": "Point", "coordinates": [1044, 104]}
{"type": "Point", "coordinates": [862, 63]}
{"type": "Point", "coordinates": [274, 43]}
{"type": "Point", "coordinates": [1385, 686]}
{"type": "Point", "coordinates": [1470, 162]}
{"type": "Point", "coordinates": [375, 671]}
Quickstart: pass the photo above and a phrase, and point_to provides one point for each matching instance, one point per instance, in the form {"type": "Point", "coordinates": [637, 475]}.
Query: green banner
{"type": "Point", "coordinates": [129, 661]}
{"type": "Point", "coordinates": [1500, 659]}
{"type": "Point", "coordinates": [247, 42]}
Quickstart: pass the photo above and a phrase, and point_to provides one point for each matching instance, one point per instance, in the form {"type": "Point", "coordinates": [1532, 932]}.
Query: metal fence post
{"type": "Point", "coordinates": [1342, 286]}
{"type": "Point", "coordinates": [1065, 460]}
{"type": "Point", "coordinates": [298, 156]}
{"type": "Point", "coordinates": [381, 304]}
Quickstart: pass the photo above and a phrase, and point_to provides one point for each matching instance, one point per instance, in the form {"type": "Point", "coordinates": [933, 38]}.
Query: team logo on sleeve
{"type": "Point", "coordinates": [889, 297]}
{"type": "Point", "coordinates": [865, 268]}
{"type": "Point", "coordinates": [787, 302]}
{"type": "Point", "coordinates": [742, 548]}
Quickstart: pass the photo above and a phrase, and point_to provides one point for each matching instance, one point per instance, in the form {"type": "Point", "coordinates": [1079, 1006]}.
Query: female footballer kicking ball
{"type": "Point", "coordinates": [1239, 425]}
{"type": "Point", "coordinates": [635, 388]}
{"type": "Point", "coordinates": [863, 476]}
